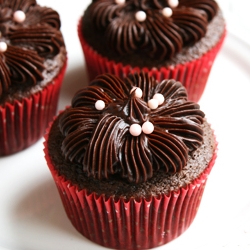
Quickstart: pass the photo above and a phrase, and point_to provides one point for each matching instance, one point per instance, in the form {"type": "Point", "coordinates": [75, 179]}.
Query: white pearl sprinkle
{"type": "Point", "coordinates": [3, 46]}
{"type": "Point", "coordinates": [173, 3]}
{"type": "Point", "coordinates": [138, 92]}
{"type": "Point", "coordinates": [167, 12]}
{"type": "Point", "coordinates": [120, 1]}
{"type": "Point", "coordinates": [135, 129]}
{"type": "Point", "coordinates": [140, 16]}
{"type": "Point", "coordinates": [147, 127]}
{"type": "Point", "coordinates": [19, 16]}
{"type": "Point", "coordinates": [153, 104]}
{"type": "Point", "coordinates": [159, 97]}
{"type": "Point", "coordinates": [100, 105]}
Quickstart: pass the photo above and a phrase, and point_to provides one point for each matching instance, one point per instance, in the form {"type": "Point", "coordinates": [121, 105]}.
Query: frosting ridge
{"type": "Point", "coordinates": [101, 140]}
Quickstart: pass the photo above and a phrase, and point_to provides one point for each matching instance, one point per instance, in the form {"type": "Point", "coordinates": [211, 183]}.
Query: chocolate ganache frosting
{"type": "Point", "coordinates": [29, 35]}
{"type": "Point", "coordinates": [160, 28]}
{"type": "Point", "coordinates": [131, 128]}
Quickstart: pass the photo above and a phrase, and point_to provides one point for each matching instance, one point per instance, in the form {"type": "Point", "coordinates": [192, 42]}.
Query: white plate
{"type": "Point", "coordinates": [31, 213]}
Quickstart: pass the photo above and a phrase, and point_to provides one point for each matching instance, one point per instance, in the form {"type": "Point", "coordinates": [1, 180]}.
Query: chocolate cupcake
{"type": "Point", "coordinates": [169, 39]}
{"type": "Point", "coordinates": [32, 64]}
{"type": "Point", "coordinates": [130, 159]}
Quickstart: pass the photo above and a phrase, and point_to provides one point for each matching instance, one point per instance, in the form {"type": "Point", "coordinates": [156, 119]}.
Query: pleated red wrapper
{"type": "Point", "coordinates": [134, 223]}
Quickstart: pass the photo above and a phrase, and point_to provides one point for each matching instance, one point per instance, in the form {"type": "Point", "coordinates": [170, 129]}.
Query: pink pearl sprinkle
{"type": "Point", "coordinates": [100, 105]}
{"type": "Point", "coordinates": [135, 129]}
{"type": "Point", "coordinates": [3, 46]}
{"type": "Point", "coordinates": [159, 97]}
{"type": "Point", "coordinates": [173, 3]}
{"type": "Point", "coordinates": [138, 92]}
{"type": "Point", "coordinates": [140, 16]}
{"type": "Point", "coordinates": [19, 16]}
{"type": "Point", "coordinates": [120, 1]}
{"type": "Point", "coordinates": [167, 12]}
{"type": "Point", "coordinates": [153, 104]}
{"type": "Point", "coordinates": [147, 127]}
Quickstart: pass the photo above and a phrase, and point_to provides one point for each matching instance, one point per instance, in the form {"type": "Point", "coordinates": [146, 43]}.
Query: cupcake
{"type": "Point", "coordinates": [169, 39]}
{"type": "Point", "coordinates": [32, 63]}
{"type": "Point", "coordinates": [130, 158]}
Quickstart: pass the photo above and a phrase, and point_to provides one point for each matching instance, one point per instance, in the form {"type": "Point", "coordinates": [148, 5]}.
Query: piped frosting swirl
{"type": "Point", "coordinates": [31, 36]}
{"type": "Point", "coordinates": [101, 141]}
{"type": "Point", "coordinates": [144, 26]}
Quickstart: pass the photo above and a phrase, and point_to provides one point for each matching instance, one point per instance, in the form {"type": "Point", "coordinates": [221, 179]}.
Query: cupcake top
{"type": "Point", "coordinates": [158, 28]}
{"type": "Point", "coordinates": [130, 129]}
{"type": "Point", "coordinates": [30, 42]}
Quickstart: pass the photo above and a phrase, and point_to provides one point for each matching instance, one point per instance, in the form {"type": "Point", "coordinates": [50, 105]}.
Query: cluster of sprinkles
{"type": "Point", "coordinates": [19, 17]}
{"type": "Point", "coordinates": [136, 129]}
{"type": "Point", "coordinates": [147, 127]}
{"type": "Point", "coordinates": [141, 15]}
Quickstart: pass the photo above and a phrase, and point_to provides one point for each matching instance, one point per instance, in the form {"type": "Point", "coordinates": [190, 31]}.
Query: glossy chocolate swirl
{"type": "Point", "coordinates": [100, 140]}
{"type": "Point", "coordinates": [29, 43]}
{"type": "Point", "coordinates": [158, 36]}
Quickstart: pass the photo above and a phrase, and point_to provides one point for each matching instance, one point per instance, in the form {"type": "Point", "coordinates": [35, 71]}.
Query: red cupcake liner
{"type": "Point", "coordinates": [130, 223]}
{"type": "Point", "coordinates": [23, 122]}
{"type": "Point", "coordinates": [193, 75]}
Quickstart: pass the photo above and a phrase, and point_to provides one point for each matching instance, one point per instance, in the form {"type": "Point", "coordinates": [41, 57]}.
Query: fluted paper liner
{"type": "Point", "coordinates": [193, 75]}
{"type": "Point", "coordinates": [130, 223]}
{"type": "Point", "coordinates": [23, 122]}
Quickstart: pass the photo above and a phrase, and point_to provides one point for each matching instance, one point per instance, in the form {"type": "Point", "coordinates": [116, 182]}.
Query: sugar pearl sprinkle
{"type": "Point", "coordinates": [3, 46]}
{"type": "Point", "coordinates": [147, 127]}
{"type": "Point", "coordinates": [120, 1]}
{"type": "Point", "coordinates": [173, 3]}
{"type": "Point", "coordinates": [167, 12]}
{"type": "Point", "coordinates": [100, 105]}
{"type": "Point", "coordinates": [138, 92]}
{"type": "Point", "coordinates": [153, 104]}
{"type": "Point", "coordinates": [160, 98]}
{"type": "Point", "coordinates": [135, 129]}
{"type": "Point", "coordinates": [19, 16]}
{"type": "Point", "coordinates": [140, 16]}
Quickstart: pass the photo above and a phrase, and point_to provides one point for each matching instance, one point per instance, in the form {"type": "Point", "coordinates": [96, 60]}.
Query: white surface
{"type": "Point", "coordinates": [31, 213]}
